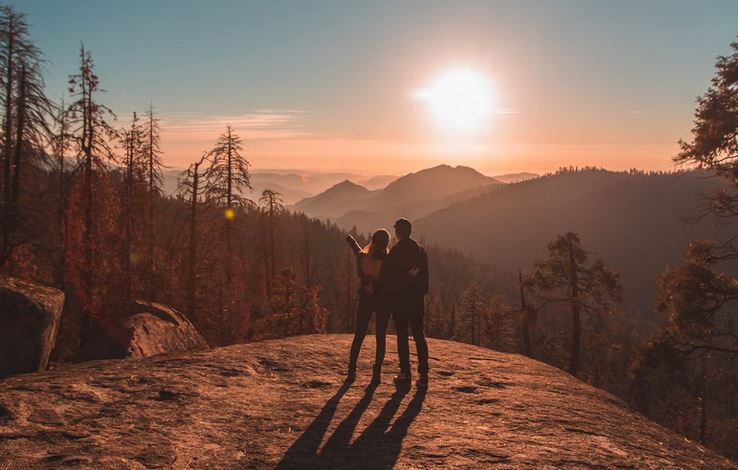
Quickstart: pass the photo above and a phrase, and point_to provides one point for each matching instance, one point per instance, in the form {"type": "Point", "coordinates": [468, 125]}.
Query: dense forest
{"type": "Point", "coordinates": [83, 210]}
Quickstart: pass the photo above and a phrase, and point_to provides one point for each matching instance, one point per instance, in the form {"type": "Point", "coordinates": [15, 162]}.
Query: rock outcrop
{"type": "Point", "coordinates": [158, 329]}
{"type": "Point", "coordinates": [283, 404]}
{"type": "Point", "coordinates": [29, 322]}
{"type": "Point", "coordinates": [151, 329]}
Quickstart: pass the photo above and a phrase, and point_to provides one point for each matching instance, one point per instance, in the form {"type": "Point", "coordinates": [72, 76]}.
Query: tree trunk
{"type": "Point", "coordinates": [526, 316]}
{"type": "Point", "coordinates": [575, 316]}
{"type": "Point", "coordinates": [8, 131]}
{"type": "Point", "coordinates": [6, 230]}
{"type": "Point", "coordinates": [129, 218]}
{"type": "Point", "coordinates": [272, 261]}
{"type": "Point", "coordinates": [703, 403]}
{"type": "Point", "coordinates": [228, 261]}
{"type": "Point", "coordinates": [265, 257]}
{"type": "Point", "coordinates": [349, 301]}
{"type": "Point", "coordinates": [62, 199]}
{"type": "Point", "coordinates": [452, 323]}
{"type": "Point", "coordinates": [192, 275]}
{"type": "Point", "coordinates": [473, 317]}
{"type": "Point", "coordinates": [12, 212]}
{"type": "Point", "coordinates": [151, 242]}
{"type": "Point", "coordinates": [308, 277]}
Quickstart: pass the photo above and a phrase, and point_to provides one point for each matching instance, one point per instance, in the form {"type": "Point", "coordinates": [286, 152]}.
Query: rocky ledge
{"type": "Point", "coordinates": [283, 404]}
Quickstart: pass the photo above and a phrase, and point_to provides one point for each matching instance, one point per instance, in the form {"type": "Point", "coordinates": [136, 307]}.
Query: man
{"type": "Point", "coordinates": [407, 283]}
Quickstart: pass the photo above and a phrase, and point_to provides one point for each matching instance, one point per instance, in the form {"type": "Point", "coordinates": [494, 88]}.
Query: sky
{"type": "Point", "coordinates": [333, 85]}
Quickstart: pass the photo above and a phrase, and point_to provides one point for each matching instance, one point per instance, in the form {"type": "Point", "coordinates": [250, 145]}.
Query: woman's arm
{"type": "Point", "coordinates": [353, 244]}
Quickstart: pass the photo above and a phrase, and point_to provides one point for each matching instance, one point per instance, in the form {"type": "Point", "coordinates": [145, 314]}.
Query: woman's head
{"type": "Point", "coordinates": [380, 240]}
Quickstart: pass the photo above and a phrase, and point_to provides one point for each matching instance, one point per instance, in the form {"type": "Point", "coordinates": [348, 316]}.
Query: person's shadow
{"type": "Point", "coordinates": [306, 446]}
{"type": "Point", "coordinates": [376, 447]}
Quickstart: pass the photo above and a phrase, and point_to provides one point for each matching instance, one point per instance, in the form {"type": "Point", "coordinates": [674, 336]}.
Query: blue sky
{"type": "Point", "coordinates": [326, 84]}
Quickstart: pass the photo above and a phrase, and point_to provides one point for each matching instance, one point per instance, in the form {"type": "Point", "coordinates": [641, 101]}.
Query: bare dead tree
{"type": "Point", "coordinates": [27, 117]}
{"type": "Point", "coordinates": [92, 135]}
{"type": "Point", "coordinates": [190, 188]}
{"type": "Point", "coordinates": [155, 179]}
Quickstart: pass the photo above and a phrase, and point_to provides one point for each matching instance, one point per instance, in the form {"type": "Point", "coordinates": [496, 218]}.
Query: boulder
{"type": "Point", "coordinates": [158, 329]}
{"type": "Point", "coordinates": [148, 330]}
{"type": "Point", "coordinates": [29, 322]}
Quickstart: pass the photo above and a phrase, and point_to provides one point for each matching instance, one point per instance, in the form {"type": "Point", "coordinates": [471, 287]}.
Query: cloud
{"type": "Point", "coordinates": [261, 124]}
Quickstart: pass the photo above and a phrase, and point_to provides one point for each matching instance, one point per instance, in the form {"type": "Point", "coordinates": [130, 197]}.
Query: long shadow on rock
{"type": "Point", "coordinates": [341, 437]}
{"type": "Point", "coordinates": [379, 445]}
{"type": "Point", "coordinates": [303, 452]}
{"type": "Point", "coordinates": [387, 453]}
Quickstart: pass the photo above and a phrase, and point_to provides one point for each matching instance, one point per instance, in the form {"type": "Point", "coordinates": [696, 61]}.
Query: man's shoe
{"type": "Point", "coordinates": [422, 381]}
{"type": "Point", "coordinates": [403, 378]}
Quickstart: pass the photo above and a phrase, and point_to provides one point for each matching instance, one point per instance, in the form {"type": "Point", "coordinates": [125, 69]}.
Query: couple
{"type": "Point", "coordinates": [393, 283]}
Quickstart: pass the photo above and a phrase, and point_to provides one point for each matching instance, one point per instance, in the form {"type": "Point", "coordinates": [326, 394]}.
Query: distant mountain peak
{"type": "Point", "coordinates": [413, 195]}
{"type": "Point", "coordinates": [346, 184]}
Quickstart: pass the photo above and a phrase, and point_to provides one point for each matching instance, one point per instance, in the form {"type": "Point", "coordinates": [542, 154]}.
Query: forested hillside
{"type": "Point", "coordinates": [637, 222]}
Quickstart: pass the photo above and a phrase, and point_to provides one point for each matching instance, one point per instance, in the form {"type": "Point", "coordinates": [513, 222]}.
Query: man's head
{"type": "Point", "coordinates": [403, 228]}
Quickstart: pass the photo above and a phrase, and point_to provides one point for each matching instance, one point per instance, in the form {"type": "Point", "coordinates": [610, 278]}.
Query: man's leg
{"type": "Point", "coordinates": [417, 314]}
{"type": "Point", "coordinates": [399, 315]}
{"type": "Point", "coordinates": [363, 315]}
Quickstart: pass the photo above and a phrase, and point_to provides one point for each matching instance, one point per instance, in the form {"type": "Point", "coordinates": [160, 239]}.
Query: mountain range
{"type": "Point", "coordinates": [413, 196]}
{"type": "Point", "coordinates": [296, 185]}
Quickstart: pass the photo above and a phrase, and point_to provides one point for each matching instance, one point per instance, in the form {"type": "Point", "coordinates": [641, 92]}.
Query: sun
{"type": "Point", "coordinates": [460, 100]}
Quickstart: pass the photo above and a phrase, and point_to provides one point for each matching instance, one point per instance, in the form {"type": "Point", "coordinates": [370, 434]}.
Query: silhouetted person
{"type": "Point", "coordinates": [406, 278]}
{"type": "Point", "coordinates": [369, 262]}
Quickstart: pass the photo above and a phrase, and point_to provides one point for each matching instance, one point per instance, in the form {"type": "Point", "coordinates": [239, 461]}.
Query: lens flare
{"type": "Point", "coordinates": [230, 214]}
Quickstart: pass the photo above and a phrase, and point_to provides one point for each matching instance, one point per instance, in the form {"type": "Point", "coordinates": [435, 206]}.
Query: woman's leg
{"type": "Point", "coordinates": [363, 315]}
{"type": "Point", "coordinates": [381, 335]}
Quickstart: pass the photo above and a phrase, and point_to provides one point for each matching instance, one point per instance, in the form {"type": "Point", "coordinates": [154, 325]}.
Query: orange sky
{"type": "Point", "coordinates": [273, 140]}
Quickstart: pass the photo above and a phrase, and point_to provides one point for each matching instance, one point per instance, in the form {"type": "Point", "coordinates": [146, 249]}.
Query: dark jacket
{"type": "Point", "coordinates": [396, 277]}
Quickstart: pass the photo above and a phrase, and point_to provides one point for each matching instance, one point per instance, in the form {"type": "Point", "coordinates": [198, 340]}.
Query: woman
{"type": "Point", "coordinates": [369, 263]}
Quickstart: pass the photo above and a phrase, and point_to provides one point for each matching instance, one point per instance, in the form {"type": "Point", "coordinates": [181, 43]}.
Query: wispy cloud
{"type": "Point", "coordinates": [259, 124]}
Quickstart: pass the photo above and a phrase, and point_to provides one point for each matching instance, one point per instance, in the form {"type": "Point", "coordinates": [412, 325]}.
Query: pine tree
{"type": "Point", "coordinates": [295, 309]}
{"type": "Point", "coordinates": [471, 314]}
{"type": "Point", "coordinates": [567, 278]}
{"type": "Point", "coordinates": [228, 179]}
{"type": "Point", "coordinates": [695, 298]}
{"type": "Point", "coordinates": [528, 315]}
